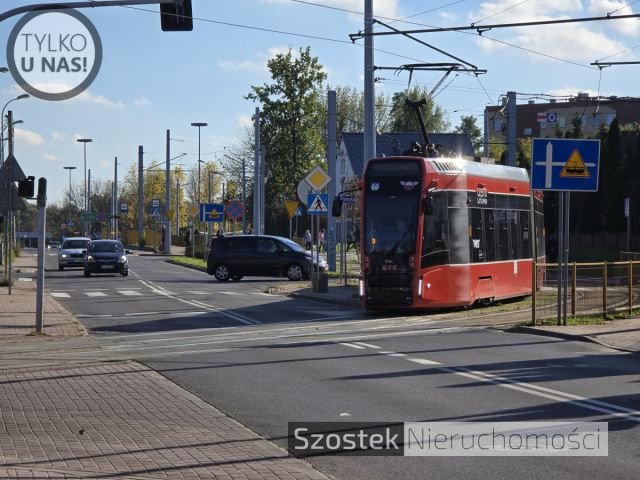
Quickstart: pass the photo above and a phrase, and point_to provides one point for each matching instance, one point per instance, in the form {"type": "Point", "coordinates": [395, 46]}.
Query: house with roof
{"type": "Point", "coordinates": [350, 160]}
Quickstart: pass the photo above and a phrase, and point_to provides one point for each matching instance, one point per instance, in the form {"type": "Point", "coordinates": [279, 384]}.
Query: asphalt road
{"type": "Point", "coordinates": [267, 360]}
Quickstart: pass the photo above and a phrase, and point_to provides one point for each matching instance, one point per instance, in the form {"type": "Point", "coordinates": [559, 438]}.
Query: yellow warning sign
{"type": "Point", "coordinates": [575, 167]}
{"type": "Point", "coordinates": [291, 208]}
{"type": "Point", "coordinates": [214, 213]}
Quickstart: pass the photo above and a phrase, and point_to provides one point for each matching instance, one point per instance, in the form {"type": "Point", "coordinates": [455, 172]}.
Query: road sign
{"type": "Point", "coordinates": [298, 212]}
{"type": "Point", "coordinates": [348, 198]}
{"type": "Point", "coordinates": [170, 213]}
{"type": "Point", "coordinates": [211, 212]}
{"type": "Point", "coordinates": [304, 189]}
{"type": "Point", "coordinates": [292, 208]}
{"type": "Point", "coordinates": [102, 217]}
{"type": "Point", "coordinates": [318, 203]}
{"type": "Point", "coordinates": [156, 211]}
{"type": "Point", "coordinates": [155, 202]}
{"type": "Point", "coordinates": [71, 223]}
{"type": "Point", "coordinates": [565, 164]}
{"type": "Point", "coordinates": [627, 204]}
{"type": "Point", "coordinates": [317, 178]}
{"type": "Point", "coordinates": [235, 210]}
{"type": "Point", "coordinates": [193, 210]}
{"type": "Point", "coordinates": [88, 217]}
{"type": "Point", "coordinates": [124, 208]}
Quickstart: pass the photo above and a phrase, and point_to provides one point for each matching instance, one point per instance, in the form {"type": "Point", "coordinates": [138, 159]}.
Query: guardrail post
{"type": "Point", "coordinates": [534, 285]}
{"type": "Point", "coordinates": [630, 284]}
{"type": "Point", "coordinates": [573, 289]}
{"type": "Point", "coordinates": [604, 290]}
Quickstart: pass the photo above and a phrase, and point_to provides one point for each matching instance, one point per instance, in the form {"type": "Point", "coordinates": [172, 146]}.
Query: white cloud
{"type": "Point", "coordinates": [629, 26]}
{"type": "Point", "coordinates": [30, 138]}
{"type": "Point", "coordinates": [104, 163]}
{"type": "Point", "coordinates": [260, 64]}
{"type": "Point", "coordinates": [381, 8]}
{"type": "Point", "coordinates": [243, 120]}
{"type": "Point", "coordinates": [100, 100]}
{"type": "Point", "coordinates": [571, 91]}
{"type": "Point", "coordinates": [142, 102]}
{"type": "Point", "coordinates": [58, 136]}
{"type": "Point", "coordinates": [236, 65]}
{"type": "Point", "coordinates": [47, 157]}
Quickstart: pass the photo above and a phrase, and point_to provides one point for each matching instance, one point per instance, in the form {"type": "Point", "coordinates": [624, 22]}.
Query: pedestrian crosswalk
{"type": "Point", "coordinates": [138, 293]}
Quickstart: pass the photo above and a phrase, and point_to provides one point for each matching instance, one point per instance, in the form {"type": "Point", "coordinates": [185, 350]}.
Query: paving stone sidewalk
{"type": "Point", "coordinates": [123, 420]}
{"type": "Point", "coordinates": [18, 310]}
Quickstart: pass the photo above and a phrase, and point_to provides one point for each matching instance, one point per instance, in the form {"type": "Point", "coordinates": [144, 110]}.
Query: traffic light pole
{"type": "Point", "coordinates": [42, 225]}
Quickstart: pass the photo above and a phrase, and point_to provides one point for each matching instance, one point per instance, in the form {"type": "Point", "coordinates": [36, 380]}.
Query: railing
{"type": "Point", "coordinates": [594, 289]}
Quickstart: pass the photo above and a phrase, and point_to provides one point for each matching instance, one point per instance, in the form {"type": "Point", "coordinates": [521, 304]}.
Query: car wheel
{"type": "Point", "coordinates": [236, 278]}
{"type": "Point", "coordinates": [60, 268]}
{"type": "Point", "coordinates": [222, 273]}
{"type": "Point", "coordinates": [294, 272]}
{"type": "Point", "coordinates": [87, 274]}
{"type": "Point", "coordinates": [125, 273]}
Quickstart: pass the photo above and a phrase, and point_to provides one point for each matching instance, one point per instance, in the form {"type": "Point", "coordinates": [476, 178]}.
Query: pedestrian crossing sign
{"type": "Point", "coordinates": [317, 204]}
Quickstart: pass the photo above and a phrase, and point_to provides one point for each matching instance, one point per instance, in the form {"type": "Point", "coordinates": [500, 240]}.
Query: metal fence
{"type": "Point", "coordinates": [598, 289]}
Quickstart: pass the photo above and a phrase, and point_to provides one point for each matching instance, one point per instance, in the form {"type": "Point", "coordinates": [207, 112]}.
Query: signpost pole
{"type": "Point", "coordinates": [560, 261]}
{"type": "Point", "coordinates": [565, 267]}
{"type": "Point", "coordinates": [42, 225]}
{"type": "Point", "coordinates": [627, 213]}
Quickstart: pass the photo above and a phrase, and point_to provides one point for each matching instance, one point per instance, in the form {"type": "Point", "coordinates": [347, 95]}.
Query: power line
{"type": "Point", "coordinates": [623, 7]}
{"type": "Point", "coordinates": [499, 13]}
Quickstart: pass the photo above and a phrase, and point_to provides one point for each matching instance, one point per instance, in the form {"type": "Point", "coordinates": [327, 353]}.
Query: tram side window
{"type": "Point", "coordinates": [525, 238]}
{"type": "Point", "coordinates": [489, 234]}
{"type": "Point", "coordinates": [514, 244]}
{"type": "Point", "coordinates": [459, 235]}
{"type": "Point", "coordinates": [435, 234]}
{"type": "Point", "coordinates": [476, 241]}
{"type": "Point", "coordinates": [502, 228]}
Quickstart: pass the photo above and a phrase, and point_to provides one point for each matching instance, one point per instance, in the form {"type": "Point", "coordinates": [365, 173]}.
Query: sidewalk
{"type": "Point", "coordinates": [619, 334]}
{"type": "Point", "coordinates": [123, 420]}
{"type": "Point", "coordinates": [337, 292]}
{"type": "Point", "coordinates": [18, 310]}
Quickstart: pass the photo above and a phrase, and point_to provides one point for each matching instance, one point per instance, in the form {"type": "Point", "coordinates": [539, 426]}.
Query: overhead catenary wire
{"type": "Point", "coordinates": [499, 12]}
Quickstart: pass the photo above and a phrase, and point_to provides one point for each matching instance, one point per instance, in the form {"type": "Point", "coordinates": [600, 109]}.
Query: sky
{"type": "Point", "coordinates": [151, 81]}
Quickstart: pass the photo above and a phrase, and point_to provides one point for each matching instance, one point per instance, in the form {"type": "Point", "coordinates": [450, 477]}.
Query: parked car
{"type": "Point", "coordinates": [260, 255]}
{"type": "Point", "coordinates": [106, 256]}
{"type": "Point", "coordinates": [53, 244]}
{"type": "Point", "coordinates": [71, 253]}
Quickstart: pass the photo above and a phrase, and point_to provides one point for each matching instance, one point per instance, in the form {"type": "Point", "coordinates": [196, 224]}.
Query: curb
{"type": "Point", "coordinates": [569, 336]}
{"type": "Point", "coordinates": [192, 267]}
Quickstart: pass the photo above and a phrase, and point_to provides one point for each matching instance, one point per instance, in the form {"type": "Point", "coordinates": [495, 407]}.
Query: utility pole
{"type": "Point", "coordinates": [256, 174]}
{"type": "Point", "coordinates": [140, 193]}
{"type": "Point", "coordinates": [167, 197]}
{"type": "Point", "coordinates": [209, 226]}
{"type": "Point", "coordinates": [9, 219]}
{"type": "Point", "coordinates": [42, 225]}
{"type": "Point", "coordinates": [331, 163]}
{"type": "Point", "coordinates": [177, 207]}
{"type": "Point", "coordinates": [511, 129]}
{"type": "Point", "coordinates": [115, 198]}
{"type": "Point", "coordinates": [244, 195]}
{"type": "Point", "coordinates": [369, 85]}
{"type": "Point", "coordinates": [263, 174]}
{"type": "Point", "coordinates": [89, 201]}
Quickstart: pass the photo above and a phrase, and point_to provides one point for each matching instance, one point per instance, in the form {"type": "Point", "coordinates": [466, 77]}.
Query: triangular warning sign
{"type": "Point", "coordinates": [214, 213]}
{"type": "Point", "coordinates": [575, 167]}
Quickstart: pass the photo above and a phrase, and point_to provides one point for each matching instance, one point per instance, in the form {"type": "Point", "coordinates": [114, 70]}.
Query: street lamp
{"type": "Point", "coordinates": [19, 97]}
{"type": "Point", "coordinates": [70, 170]}
{"type": "Point", "coordinates": [84, 142]}
{"type": "Point", "coordinates": [199, 125]}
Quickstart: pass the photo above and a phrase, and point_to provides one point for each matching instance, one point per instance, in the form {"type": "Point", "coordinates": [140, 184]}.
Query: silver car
{"type": "Point", "coordinates": [72, 252]}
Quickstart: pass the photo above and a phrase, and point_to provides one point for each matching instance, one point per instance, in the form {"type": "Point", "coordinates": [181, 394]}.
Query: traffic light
{"type": "Point", "coordinates": [176, 16]}
{"type": "Point", "coordinates": [26, 187]}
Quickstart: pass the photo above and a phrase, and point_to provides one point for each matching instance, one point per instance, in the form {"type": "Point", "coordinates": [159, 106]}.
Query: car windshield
{"type": "Point", "coordinates": [292, 245]}
{"type": "Point", "coordinates": [76, 244]}
{"type": "Point", "coordinates": [105, 247]}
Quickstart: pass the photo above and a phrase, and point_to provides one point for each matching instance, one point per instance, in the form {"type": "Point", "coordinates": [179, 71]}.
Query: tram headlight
{"type": "Point", "coordinates": [420, 287]}
{"type": "Point", "coordinates": [361, 288]}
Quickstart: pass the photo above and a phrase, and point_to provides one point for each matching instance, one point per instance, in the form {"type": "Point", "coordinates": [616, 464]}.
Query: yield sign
{"type": "Point", "coordinates": [291, 208]}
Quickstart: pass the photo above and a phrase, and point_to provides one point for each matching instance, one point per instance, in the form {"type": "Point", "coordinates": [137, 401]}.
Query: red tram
{"type": "Point", "coordinates": [442, 232]}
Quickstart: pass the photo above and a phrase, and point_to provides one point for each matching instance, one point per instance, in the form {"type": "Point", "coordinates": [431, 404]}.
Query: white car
{"type": "Point", "coordinates": [53, 244]}
{"type": "Point", "coordinates": [72, 252]}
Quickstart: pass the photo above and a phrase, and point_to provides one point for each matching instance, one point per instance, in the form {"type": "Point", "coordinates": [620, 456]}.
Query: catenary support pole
{"type": "Point", "coordinates": [167, 197]}
{"type": "Point", "coordinates": [331, 164]}
{"type": "Point", "coordinates": [140, 193]}
{"type": "Point", "coordinates": [263, 174]}
{"type": "Point", "coordinates": [369, 85]}
{"type": "Point", "coordinates": [256, 173]}
{"type": "Point", "coordinates": [511, 129]}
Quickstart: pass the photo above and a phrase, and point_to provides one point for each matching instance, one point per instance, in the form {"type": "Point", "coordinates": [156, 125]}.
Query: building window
{"type": "Point", "coordinates": [561, 122]}
{"type": "Point", "coordinates": [596, 119]}
{"type": "Point", "coordinates": [609, 118]}
{"type": "Point", "coordinates": [527, 132]}
{"type": "Point", "coordinates": [498, 125]}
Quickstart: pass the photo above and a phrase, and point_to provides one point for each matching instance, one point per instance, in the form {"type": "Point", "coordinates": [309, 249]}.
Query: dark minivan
{"type": "Point", "coordinates": [236, 256]}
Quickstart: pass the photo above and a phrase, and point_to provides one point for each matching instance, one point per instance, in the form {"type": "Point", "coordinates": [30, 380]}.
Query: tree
{"type": "Point", "coordinates": [405, 120]}
{"type": "Point", "coordinates": [291, 123]}
{"type": "Point", "coordinates": [469, 126]}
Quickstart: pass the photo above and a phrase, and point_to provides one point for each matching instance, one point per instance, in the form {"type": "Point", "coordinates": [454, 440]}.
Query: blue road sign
{"type": "Point", "coordinates": [211, 212]}
{"type": "Point", "coordinates": [298, 212]}
{"type": "Point", "coordinates": [565, 164]}
{"type": "Point", "coordinates": [156, 211]}
{"type": "Point", "coordinates": [317, 203]}
{"type": "Point", "coordinates": [124, 208]}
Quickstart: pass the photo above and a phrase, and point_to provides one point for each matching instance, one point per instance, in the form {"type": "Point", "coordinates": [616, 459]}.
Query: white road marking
{"type": "Point", "coordinates": [423, 361]}
{"type": "Point", "coordinates": [367, 345]}
{"type": "Point", "coordinates": [352, 345]}
{"type": "Point", "coordinates": [229, 293]}
{"type": "Point", "coordinates": [129, 293]}
{"type": "Point", "coordinates": [22, 279]}
{"type": "Point", "coordinates": [265, 294]}
{"type": "Point", "coordinates": [60, 295]}
{"type": "Point", "coordinates": [345, 414]}
{"type": "Point", "coordinates": [95, 294]}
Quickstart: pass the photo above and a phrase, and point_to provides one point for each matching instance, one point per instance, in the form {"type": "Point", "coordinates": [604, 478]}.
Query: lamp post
{"type": "Point", "coordinates": [199, 125]}
{"type": "Point", "coordinates": [84, 142]}
{"type": "Point", "coordinates": [70, 170]}
{"type": "Point", "coordinates": [19, 97]}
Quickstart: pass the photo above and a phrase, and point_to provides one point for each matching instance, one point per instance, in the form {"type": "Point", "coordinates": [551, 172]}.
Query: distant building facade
{"type": "Point", "coordinates": [545, 119]}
